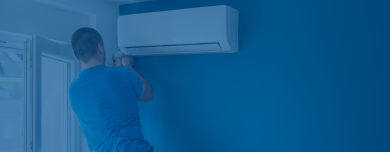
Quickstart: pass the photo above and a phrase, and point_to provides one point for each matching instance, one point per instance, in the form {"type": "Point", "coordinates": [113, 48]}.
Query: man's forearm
{"type": "Point", "coordinates": [147, 91]}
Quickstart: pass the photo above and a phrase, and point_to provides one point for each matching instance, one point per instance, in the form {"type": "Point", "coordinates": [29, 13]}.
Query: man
{"type": "Point", "coordinates": [105, 98]}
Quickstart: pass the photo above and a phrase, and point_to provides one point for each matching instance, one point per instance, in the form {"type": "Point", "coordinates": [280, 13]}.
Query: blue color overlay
{"type": "Point", "coordinates": [309, 76]}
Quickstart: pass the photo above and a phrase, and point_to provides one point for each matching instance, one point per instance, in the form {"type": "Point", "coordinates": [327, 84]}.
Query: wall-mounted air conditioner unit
{"type": "Point", "coordinates": [187, 31]}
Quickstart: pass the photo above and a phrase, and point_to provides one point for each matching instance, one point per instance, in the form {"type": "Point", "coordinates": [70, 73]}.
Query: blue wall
{"type": "Point", "coordinates": [309, 76]}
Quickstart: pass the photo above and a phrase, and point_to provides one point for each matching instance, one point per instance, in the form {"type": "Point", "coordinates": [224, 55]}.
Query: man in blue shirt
{"type": "Point", "coordinates": [105, 98]}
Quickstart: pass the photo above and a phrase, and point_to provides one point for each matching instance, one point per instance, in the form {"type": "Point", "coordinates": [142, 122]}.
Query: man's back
{"type": "Point", "coordinates": [105, 102]}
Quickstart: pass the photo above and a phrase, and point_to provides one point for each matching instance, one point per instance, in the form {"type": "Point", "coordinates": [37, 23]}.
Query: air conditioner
{"type": "Point", "coordinates": [201, 30]}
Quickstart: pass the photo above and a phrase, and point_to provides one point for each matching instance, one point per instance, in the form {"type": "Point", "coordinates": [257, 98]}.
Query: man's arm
{"type": "Point", "coordinates": [147, 91]}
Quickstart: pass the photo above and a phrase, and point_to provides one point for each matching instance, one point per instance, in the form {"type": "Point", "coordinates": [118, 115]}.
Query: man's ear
{"type": "Point", "coordinates": [100, 48]}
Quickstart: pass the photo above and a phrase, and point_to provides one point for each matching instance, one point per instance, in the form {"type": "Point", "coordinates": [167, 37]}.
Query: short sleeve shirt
{"type": "Point", "coordinates": [104, 100]}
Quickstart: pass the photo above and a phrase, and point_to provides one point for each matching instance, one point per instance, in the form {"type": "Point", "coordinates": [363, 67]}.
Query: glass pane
{"type": "Point", "coordinates": [11, 101]}
{"type": "Point", "coordinates": [54, 99]}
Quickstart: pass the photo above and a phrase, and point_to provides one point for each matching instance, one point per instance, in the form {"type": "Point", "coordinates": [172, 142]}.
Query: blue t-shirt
{"type": "Point", "coordinates": [104, 100]}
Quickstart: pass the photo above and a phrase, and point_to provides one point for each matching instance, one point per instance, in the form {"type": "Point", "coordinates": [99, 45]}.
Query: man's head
{"type": "Point", "coordinates": [88, 45]}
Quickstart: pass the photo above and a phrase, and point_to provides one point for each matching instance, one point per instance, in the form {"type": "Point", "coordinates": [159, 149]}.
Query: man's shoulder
{"type": "Point", "coordinates": [119, 72]}
{"type": "Point", "coordinates": [118, 69]}
{"type": "Point", "coordinates": [97, 77]}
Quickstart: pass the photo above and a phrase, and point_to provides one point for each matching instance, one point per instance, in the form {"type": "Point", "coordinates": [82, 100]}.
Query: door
{"type": "Point", "coordinates": [51, 66]}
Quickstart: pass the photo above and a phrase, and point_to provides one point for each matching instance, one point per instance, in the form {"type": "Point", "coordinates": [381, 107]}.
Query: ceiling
{"type": "Point", "coordinates": [120, 2]}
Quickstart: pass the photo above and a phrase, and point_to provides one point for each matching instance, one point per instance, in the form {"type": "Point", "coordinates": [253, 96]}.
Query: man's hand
{"type": "Point", "coordinates": [127, 60]}
{"type": "Point", "coordinates": [118, 61]}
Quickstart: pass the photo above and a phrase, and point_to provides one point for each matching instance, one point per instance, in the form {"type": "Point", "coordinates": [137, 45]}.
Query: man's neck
{"type": "Point", "coordinates": [91, 63]}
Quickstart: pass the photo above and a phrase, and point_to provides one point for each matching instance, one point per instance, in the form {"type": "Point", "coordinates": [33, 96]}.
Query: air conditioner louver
{"type": "Point", "coordinates": [173, 49]}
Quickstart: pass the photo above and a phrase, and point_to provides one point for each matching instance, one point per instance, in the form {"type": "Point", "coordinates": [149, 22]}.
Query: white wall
{"type": "Point", "coordinates": [30, 17]}
{"type": "Point", "coordinates": [106, 21]}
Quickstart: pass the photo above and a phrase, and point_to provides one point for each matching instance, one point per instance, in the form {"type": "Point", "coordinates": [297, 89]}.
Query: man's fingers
{"type": "Point", "coordinates": [118, 61]}
{"type": "Point", "coordinates": [127, 60]}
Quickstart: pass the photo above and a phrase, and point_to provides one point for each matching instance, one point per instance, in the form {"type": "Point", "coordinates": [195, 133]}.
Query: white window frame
{"type": "Point", "coordinates": [14, 43]}
{"type": "Point", "coordinates": [32, 69]}
{"type": "Point", "coordinates": [51, 49]}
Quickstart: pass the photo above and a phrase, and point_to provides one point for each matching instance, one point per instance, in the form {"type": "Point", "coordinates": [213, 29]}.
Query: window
{"type": "Point", "coordinates": [11, 99]}
{"type": "Point", "coordinates": [52, 68]}
{"type": "Point", "coordinates": [54, 112]}
{"type": "Point", "coordinates": [35, 112]}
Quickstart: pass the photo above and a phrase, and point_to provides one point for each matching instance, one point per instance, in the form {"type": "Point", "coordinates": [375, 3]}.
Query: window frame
{"type": "Point", "coordinates": [20, 43]}
{"type": "Point", "coordinates": [53, 51]}
{"type": "Point", "coordinates": [16, 43]}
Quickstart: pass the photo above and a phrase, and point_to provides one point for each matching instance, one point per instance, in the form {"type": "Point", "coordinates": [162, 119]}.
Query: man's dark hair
{"type": "Point", "coordinates": [85, 43]}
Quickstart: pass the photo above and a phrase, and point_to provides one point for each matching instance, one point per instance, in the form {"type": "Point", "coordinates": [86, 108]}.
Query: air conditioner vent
{"type": "Point", "coordinates": [173, 49]}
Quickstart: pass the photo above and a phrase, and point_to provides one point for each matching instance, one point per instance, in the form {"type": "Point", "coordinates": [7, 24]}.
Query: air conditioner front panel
{"type": "Point", "coordinates": [196, 25]}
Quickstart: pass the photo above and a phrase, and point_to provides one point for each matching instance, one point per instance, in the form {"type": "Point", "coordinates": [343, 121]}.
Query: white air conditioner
{"type": "Point", "coordinates": [187, 31]}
